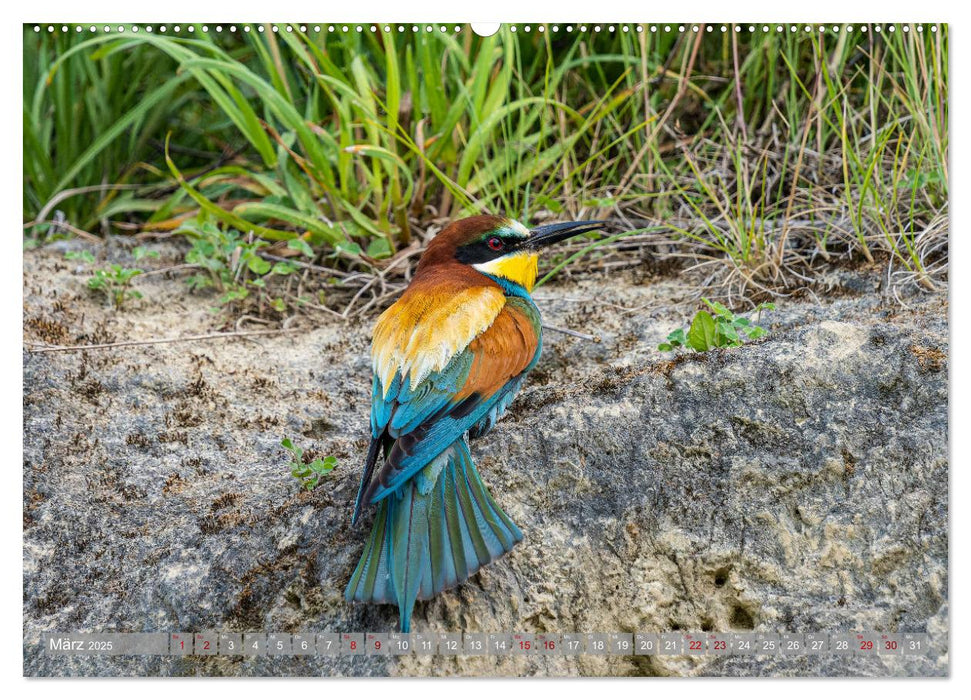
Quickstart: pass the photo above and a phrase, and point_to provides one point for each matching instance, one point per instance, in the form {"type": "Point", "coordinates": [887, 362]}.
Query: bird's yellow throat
{"type": "Point", "coordinates": [519, 268]}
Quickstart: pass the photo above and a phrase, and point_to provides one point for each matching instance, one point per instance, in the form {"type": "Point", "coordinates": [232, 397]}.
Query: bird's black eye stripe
{"type": "Point", "coordinates": [486, 249]}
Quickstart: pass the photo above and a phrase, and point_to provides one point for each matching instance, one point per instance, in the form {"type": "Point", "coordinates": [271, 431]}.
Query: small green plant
{"type": "Point", "coordinates": [82, 255]}
{"type": "Point", "coordinates": [231, 262]}
{"type": "Point", "coordinates": [141, 252]}
{"type": "Point", "coordinates": [308, 473]}
{"type": "Point", "coordinates": [115, 282]}
{"type": "Point", "coordinates": [719, 329]}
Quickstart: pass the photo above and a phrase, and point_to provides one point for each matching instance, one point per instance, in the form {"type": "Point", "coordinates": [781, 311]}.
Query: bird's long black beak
{"type": "Point", "coordinates": [542, 236]}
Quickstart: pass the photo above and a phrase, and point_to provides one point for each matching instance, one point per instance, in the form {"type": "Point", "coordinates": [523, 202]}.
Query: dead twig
{"type": "Point", "coordinates": [310, 305]}
{"type": "Point", "coordinates": [40, 347]}
{"type": "Point", "coordinates": [309, 266]}
{"type": "Point", "coordinates": [80, 233]}
{"type": "Point", "coordinates": [172, 268]}
{"type": "Point", "coordinates": [575, 334]}
{"type": "Point", "coordinates": [65, 194]}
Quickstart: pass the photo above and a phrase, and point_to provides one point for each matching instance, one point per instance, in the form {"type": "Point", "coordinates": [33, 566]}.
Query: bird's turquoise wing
{"type": "Point", "coordinates": [470, 393]}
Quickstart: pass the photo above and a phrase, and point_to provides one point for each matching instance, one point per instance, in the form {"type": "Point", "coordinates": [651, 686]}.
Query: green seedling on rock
{"type": "Point", "coordinates": [308, 473]}
{"type": "Point", "coordinates": [141, 252]}
{"type": "Point", "coordinates": [718, 329]}
{"type": "Point", "coordinates": [82, 255]}
{"type": "Point", "coordinates": [115, 282]}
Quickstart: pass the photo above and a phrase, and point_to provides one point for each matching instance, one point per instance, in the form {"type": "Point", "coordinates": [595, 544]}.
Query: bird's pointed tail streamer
{"type": "Point", "coordinates": [432, 535]}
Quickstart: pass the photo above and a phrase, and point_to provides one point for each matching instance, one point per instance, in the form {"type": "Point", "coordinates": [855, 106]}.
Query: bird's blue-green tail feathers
{"type": "Point", "coordinates": [439, 528]}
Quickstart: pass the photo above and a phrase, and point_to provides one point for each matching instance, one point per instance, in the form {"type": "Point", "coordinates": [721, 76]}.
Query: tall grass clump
{"type": "Point", "coordinates": [760, 154]}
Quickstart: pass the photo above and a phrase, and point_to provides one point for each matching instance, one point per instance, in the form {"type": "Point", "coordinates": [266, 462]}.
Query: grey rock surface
{"type": "Point", "coordinates": [797, 484]}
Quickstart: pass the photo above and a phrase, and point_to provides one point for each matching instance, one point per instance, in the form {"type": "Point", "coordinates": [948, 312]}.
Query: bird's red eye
{"type": "Point", "coordinates": [495, 243]}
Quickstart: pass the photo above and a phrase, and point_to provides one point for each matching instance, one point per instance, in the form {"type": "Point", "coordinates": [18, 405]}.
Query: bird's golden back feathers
{"type": "Point", "coordinates": [434, 320]}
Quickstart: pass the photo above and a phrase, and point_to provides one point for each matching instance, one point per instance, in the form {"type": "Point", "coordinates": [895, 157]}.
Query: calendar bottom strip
{"type": "Point", "coordinates": [481, 644]}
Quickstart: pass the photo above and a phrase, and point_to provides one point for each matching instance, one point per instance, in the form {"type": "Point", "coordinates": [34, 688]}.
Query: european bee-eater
{"type": "Point", "coordinates": [448, 358]}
